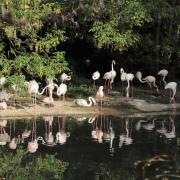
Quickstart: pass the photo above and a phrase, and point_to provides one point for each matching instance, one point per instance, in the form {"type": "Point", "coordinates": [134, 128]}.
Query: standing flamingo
{"type": "Point", "coordinates": [109, 76]}
{"type": "Point", "coordinates": [151, 80]}
{"type": "Point", "coordinates": [172, 86]}
{"type": "Point", "coordinates": [95, 76]}
{"type": "Point", "coordinates": [33, 88]}
{"type": "Point", "coordinates": [129, 78]}
{"type": "Point", "coordinates": [163, 73]}
{"type": "Point", "coordinates": [61, 90]}
{"type": "Point", "coordinates": [64, 77]}
{"type": "Point", "coordinates": [100, 95]}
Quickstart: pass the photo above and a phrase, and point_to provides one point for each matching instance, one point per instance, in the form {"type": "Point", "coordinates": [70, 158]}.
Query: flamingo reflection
{"type": "Point", "coordinates": [15, 140]}
{"type": "Point", "coordinates": [125, 138]}
{"type": "Point", "coordinates": [33, 144]}
{"type": "Point", "coordinates": [172, 133]}
{"type": "Point", "coordinates": [62, 135]}
{"type": "Point", "coordinates": [4, 136]}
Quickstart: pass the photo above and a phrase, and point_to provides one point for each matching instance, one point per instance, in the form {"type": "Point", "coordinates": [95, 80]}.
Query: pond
{"type": "Point", "coordinates": [103, 147]}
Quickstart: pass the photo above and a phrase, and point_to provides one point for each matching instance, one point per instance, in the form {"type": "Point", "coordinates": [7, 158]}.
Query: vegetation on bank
{"type": "Point", "coordinates": [36, 36]}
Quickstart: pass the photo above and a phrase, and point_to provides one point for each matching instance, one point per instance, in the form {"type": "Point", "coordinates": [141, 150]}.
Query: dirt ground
{"type": "Point", "coordinates": [113, 104]}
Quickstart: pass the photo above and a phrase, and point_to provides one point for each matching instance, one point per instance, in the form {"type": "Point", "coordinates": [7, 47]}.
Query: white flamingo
{"type": "Point", "coordinates": [172, 86]}
{"type": "Point", "coordinates": [100, 95]}
{"type": "Point", "coordinates": [163, 73]}
{"type": "Point", "coordinates": [84, 103]}
{"type": "Point", "coordinates": [129, 78]}
{"type": "Point", "coordinates": [64, 77]}
{"type": "Point", "coordinates": [110, 76]}
{"type": "Point", "coordinates": [95, 76]}
{"type": "Point", "coordinates": [151, 80]}
{"type": "Point", "coordinates": [62, 90]}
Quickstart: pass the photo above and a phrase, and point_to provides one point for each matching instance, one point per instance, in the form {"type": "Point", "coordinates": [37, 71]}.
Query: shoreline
{"type": "Point", "coordinates": [114, 106]}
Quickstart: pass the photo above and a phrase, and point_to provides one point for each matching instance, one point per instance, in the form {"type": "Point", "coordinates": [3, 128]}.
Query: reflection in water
{"type": "Point", "coordinates": [13, 139]}
{"type": "Point", "coordinates": [4, 136]}
{"type": "Point", "coordinates": [62, 135]}
{"type": "Point", "coordinates": [33, 144]}
{"type": "Point", "coordinates": [106, 142]}
{"type": "Point", "coordinates": [49, 137]}
{"type": "Point", "coordinates": [125, 138]}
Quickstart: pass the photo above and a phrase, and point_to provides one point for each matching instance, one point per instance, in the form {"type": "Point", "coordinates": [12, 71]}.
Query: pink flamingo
{"type": "Point", "coordinates": [109, 76]}
{"type": "Point", "coordinates": [129, 78]}
{"type": "Point", "coordinates": [163, 73]}
{"type": "Point", "coordinates": [151, 80]}
{"type": "Point", "coordinates": [100, 95]}
{"type": "Point", "coordinates": [172, 86]}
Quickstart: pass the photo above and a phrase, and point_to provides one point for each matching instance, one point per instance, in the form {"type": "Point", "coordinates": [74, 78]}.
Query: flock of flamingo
{"type": "Point", "coordinates": [33, 87]}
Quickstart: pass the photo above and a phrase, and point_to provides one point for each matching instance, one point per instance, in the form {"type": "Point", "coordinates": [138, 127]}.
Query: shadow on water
{"type": "Point", "coordinates": [103, 147]}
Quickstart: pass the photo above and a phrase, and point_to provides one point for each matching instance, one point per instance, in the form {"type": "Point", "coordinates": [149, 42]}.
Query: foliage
{"type": "Point", "coordinates": [47, 167]}
{"type": "Point", "coordinates": [30, 42]}
{"type": "Point", "coordinates": [158, 167]}
{"type": "Point", "coordinates": [82, 90]}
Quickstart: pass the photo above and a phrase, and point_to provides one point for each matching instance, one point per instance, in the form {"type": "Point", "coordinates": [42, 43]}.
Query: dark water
{"type": "Point", "coordinates": [104, 147]}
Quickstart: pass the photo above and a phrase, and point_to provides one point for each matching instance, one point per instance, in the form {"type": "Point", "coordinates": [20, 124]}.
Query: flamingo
{"type": "Point", "coordinates": [109, 76]}
{"type": "Point", "coordinates": [64, 77]}
{"type": "Point", "coordinates": [129, 78]}
{"type": "Point", "coordinates": [151, 80]}
{"type": "Point", "coordinates": [50, 86]}
{"type": "Point", "coordinates": [172, 86]}
{"type": "Point", "coordinates": [33, 88]}
{"type": "Point", "coordinates": [61, 90]}
{"type": "Point", "coordinates": [100, 94]}
{"type": "Point", "coordinates": [163, 73]}
{"type": "Point", "coordinates": [95, 76]}
{"type": "Point", "coordinates": [84, 103]}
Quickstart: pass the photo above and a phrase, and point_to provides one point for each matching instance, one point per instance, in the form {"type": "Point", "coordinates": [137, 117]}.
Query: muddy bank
{"type": "Point", "coordinates": [111, 106]}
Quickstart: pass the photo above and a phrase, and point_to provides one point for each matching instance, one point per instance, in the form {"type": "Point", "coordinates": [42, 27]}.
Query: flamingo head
{"type": "Point", "coordinates": [113, 62]}
{"type": "Point", "coordinates": [121, 70]}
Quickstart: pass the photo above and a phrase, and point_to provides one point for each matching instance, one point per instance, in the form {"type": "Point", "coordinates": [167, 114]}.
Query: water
{"type": "Point", "coordinates": [104, 147]}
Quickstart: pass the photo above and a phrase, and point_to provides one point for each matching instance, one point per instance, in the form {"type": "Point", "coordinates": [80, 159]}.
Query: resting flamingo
{"type": "Point", "coordinates": [129, 78]}
{"type": "Point", "coordinates": [163, 73]}
{"type": "Point", "coordinates": [84, 103]}
{"type": "Point", "coordinates": [172, 86]}
{"type": "Point", "coordinates": [151, 80]}
{"type": "Point", "coordinates": [95, 76]}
